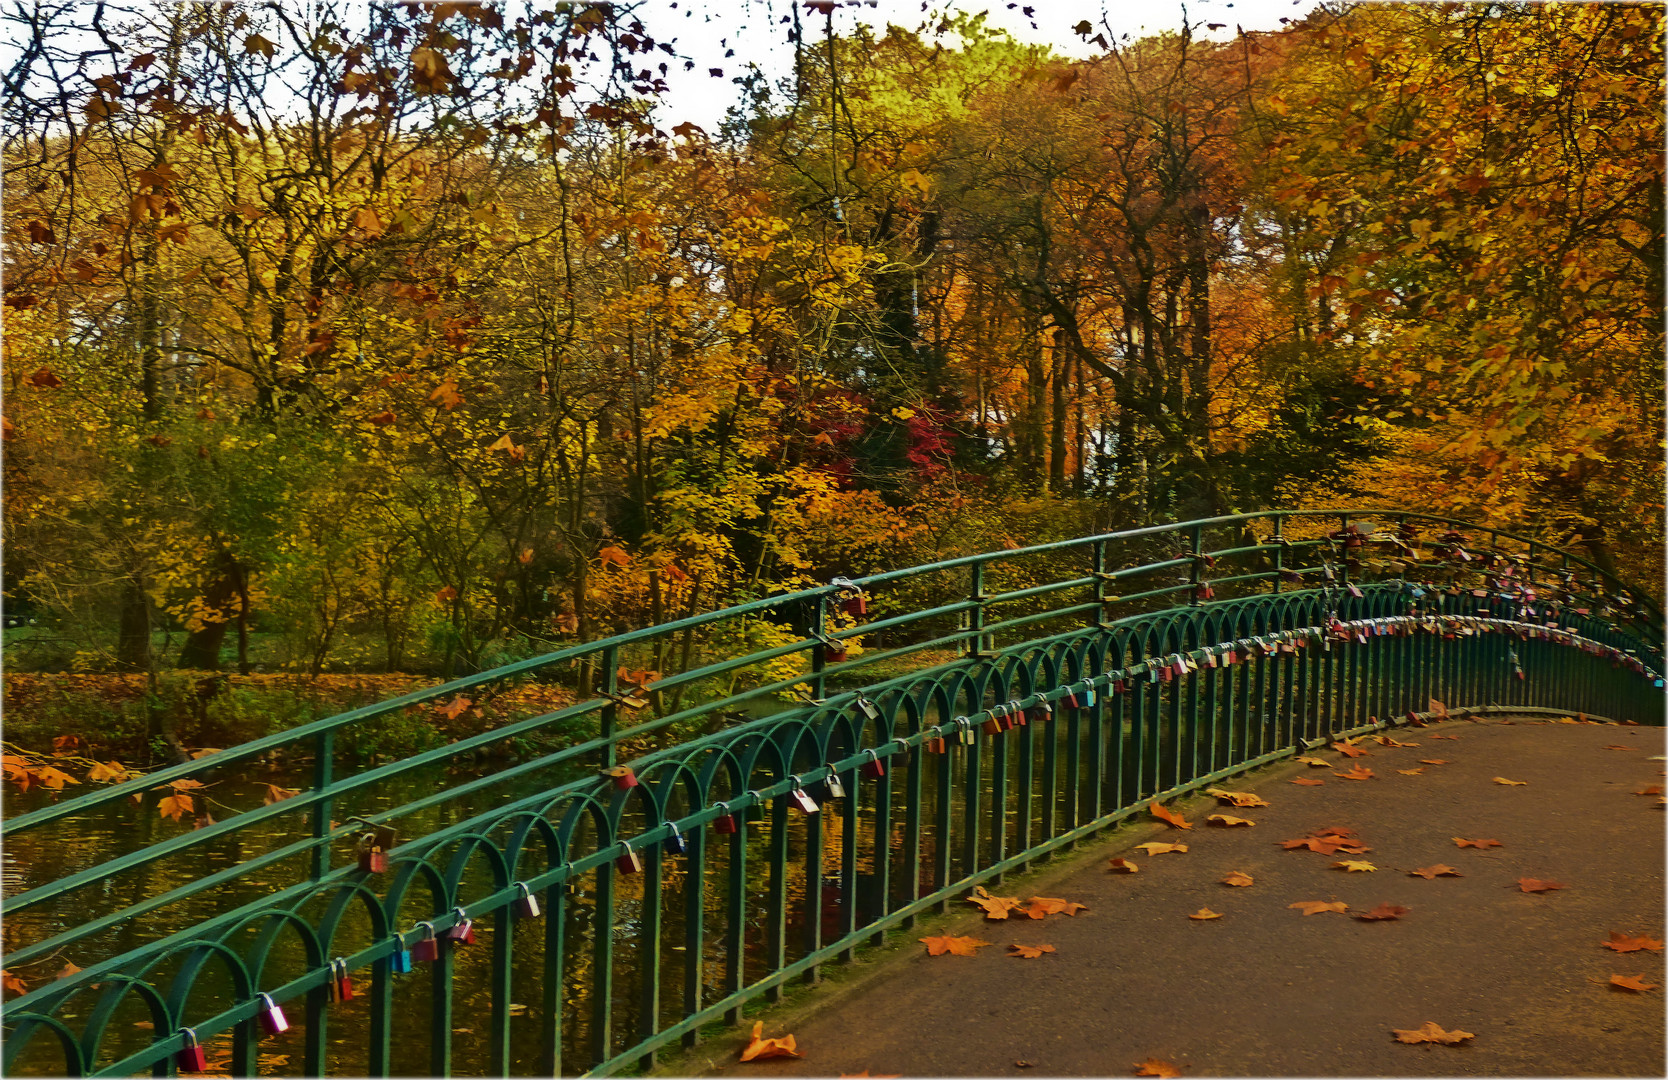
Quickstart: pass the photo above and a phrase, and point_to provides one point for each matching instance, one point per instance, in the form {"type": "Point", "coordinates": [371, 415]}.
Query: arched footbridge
{"type": "Point", "coordinates": [573, 891]}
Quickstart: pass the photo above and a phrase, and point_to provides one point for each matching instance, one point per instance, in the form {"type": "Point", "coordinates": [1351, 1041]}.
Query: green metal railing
{"type": "Point", "coordinates": [1054, 690]}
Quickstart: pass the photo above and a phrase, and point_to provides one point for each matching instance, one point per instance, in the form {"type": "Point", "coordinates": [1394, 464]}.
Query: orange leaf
{"type": "Point", "coordinates": [1429, 1032]}
{"type": "Point", "coordinates": [1353, 866]}
{"type": "Point", "coordinates": [1030, 952]}
{"type": "Point", "coordinates": [1431, 872]}
{"type": "Point", "coordinates": [1236, 878]}
{"type": "Point", "coordinates": [1511, 783]}
{"type": "Point", "coordinates": [44, 377]}
{"type": "Point", "coordinates": [1316, 763]}
{"type": "Point", "coordinates": [1383, 911]}
{"type": "Point", "coordinates": [995, 907]}
{"type": "Point", "coordinates": [54, 778]}
{"type": "Point", "coordinates": [526, 556]}
{"type": "Point", "coordinates": [1155, 1067]}
{"type": "Point", "coordinates": [66, 971]}
{"type": "Point", "coordinates": [109, 770]}
{"type": "Point", "coordinates": [175, 807]}
{"type": "Point", "coordinates": [185, 785]}
{"type": "Point", "coordinates": [1450, 738]}
{"type": "Point", "coordinates": [64, 744]}
{"type": "Point", "coordinates": [1357, 773]}
{"type": "Point", "coordinates": [1228, 820]}
{"type": "Point", "coordinates": [759, 1049]}
{"type": "Point", "coordinates": [1307, 782]}
{"type": "Point", "coordinates": [1654, 789]}
{"type": "Point", "coordinates": [1432, 761]}
{"type": "Point", "coordinates": [956, 946]}
{"type": "Point", "coordinates": [447, 594]}
{"type": "Point", "coordinates": [13, 983]}
{"type": "Point", "coordinates": [1041, 906]}
{"type": "Point", "coordinates": [1410, 772]}
{"type": "Point", "coordinates": [274, 793]}
{"type": "Point", "coordinates": [1614, 747]}
{"type": "Point", "coordinates": [1349, 751]}
{"type": "Point", "coordinates": [1315, 907]}
{"type": "Point", "coordinates": [865, 1073]}
{"type": "Point", "coordinates": [1623, 943]}
{"type": "Point", "coordinates": [1476, 843]}
{"type": "Point", "coordinates": [1236, 798]}
{"type": "Point", "coordinates": [1124, 865]}
{"type": "Point", "coordinates": [1153, 847]}
{"type": "Point", "coordinates": [1172, 820]}
{"type": "Point", "coordinates": [613, 555]}
{"type": "Point", "coordinates": [447, 394]}
{"type": "Point", "coordinates": [454, 708]}
{"type": "Point", "coordinates": [1385, 740]}
{"type": "Point", "coordinates": [1636, 983]}
{"type": "Point", "coordinates": [381, 419]}
{"type": "Point", "coordinates": [1529, 884]}
{"type": "Point", "coordinates": [1205, 913]}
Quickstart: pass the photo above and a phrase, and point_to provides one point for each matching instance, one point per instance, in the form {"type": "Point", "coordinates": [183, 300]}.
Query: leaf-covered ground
{"type": "Point", "coordinates": [1489, 979]}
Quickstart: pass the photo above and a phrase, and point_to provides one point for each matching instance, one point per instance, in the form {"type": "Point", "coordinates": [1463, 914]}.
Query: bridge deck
{"type": "Point", "coordinates": [1268, 991]}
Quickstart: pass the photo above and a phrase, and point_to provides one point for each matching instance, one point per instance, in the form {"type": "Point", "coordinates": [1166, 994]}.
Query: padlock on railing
{"type": "Point", "coordinates": [964, 731]}
{"type": "Point", "coordinates": [834, 650]}
{"type": "Point", "coordinates": [427, 947]}
{"type": "Point", "coordinates": [1203, 591]}
{"type": "Point", "coordinates": [341, 982]}
{"type": "Point", "coordinates": [191, 1057]}
{"type": "Point", "coordinates": [399, 961]}
{"type": "Point", "coordinates": [675, 844]}
{"type": "Point", "coordinates": [725, 822]}
{"type": "Point", "coordinates": [526, 905]}
{"type": "Point", "coordinates": [1042, 712]}
{"type": "Point", "coordinates": [1070, 700]}
{"type": "Point", "coordinates": [628, 862]}
{"type": "Point", "coordinates": [873, 769]}
{"type": "Point", "coordinates": [1088, 696]}
{"type": "Point", "coordinates": [270, 1016]}
{"type": "Point", "coordinates": [991, 725]}
{"type": "Point", "coordinates": [936, 745]}
{"type": "Point", "coordinates": [372, 858]}
{"type": "Point", "coordinates": [868, 708]}
{"type": "Point", "coordinates": [832, 788]}
{"type": "Point", "coordinates": [462, 932]}
{"type": "Point", "coordinates": [800, 799]}
{"type": "Point", "coordinates": [1016, 714]}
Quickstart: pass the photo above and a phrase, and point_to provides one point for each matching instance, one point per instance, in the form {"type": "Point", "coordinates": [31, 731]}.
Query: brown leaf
{"type": "Point", "coordinates": [1155, 1067]}
{"type": "Point", "coordinates": [454, 708]}
{"type": "Point", "coordinates": [1450, 738]}
{"type": "Point", "coordinates": [1349, 751]}
{"type": "Point", "coordinates": [1235, 877]}
{"type": "Point", "coordinates": [109, 770]}
{"type": "Point", "coordinates": [1306, 782]}
{"type": "Point", "coordinates": [1360, 772]}
{"type": "Point", "coordinates": [1316, 763]}
{"type": "Point", "coordinates": [1173, 820]}
{"type": "Point", "coordinates": [1623, 943]}
{"type": "Point", "coordinates": [1614, 747]}
{"type": "Point", "coordinates": [613, 555]}
{"type": "Point", "coordinates": [1529, 884]}
{"type": "Point", "coordinates": [956, 946]}
{"type": "Point", "coordinates": [866, 1073]}
{"type": "Point", "coordinates": [1511, 783]}
{"type": "Point", "coordinates": [1476, 843]}
{"type": "Point", "coordinates": [1432, 761]}
{"type": "Point", "coordinates": [1030, 952]}
{"type": "Point", "coordinates": [759, 1049]}
{"type": "Point", "coordinates": [1123, 865]}
{"type": "Point", "coordinates": [447, 395]}
{"type": "Point", "coordinates": [447, 594]}
{"type": "Point", "coordinates": [1153, 847]}
{"type": "Point", "coordinates": [995, 907]}
{"type": "Point", "coordinates": [44, 377]}
{"type": "Point", "coordinates": [381, 419]}
{"type": "Point", "coordinates": [274, 793]}
{"type": "Point", "coordinates": [1429, 1032]}
{"type": "Point", "coordinates": [175, 807]}
{"type": "Point", "coordinates": [1205, 913]}
{"type": "Point", "coordinates": [1040, 906]}
{"type": "Point", "coordinates": [1227, 820]}
{"type": "Point", "coordinates": [1636, 983]}
{"type": "Point", "coordinates": [1315, 907]}
{"type": "Point", "coordinates": [66, 971]}
{"type": "Point", "coordinates": [1385, 740]}
{"type": "Point", "coordinates": [13, 983]}
{"type": "Point", "coordinates": [1654, 789]}
{"type": "Point", "coordinates": [1431, 872]}
{"type": "Point", "coordinates": [1236, 798]}
{"type": "Point", "coordinates": [1410, 772]}
{"type": "Point", "coordinates": [1353, 865]}
{"type": "Point", "coordinates": [1383, 911]}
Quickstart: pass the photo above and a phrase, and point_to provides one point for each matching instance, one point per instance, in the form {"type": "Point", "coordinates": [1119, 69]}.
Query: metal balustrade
{"type": "Point", "coordinates": [667, 863]}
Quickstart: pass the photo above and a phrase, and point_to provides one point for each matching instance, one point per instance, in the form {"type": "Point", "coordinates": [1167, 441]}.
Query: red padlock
{"type": "Point", "coordinates": [1016, 714]}
{"type": "Point", "coordinates": [1166, 673]}
{"type": "Point", "coordinates": [462, 931]}
{"type": "Point", "coordinates": [341, 983]}
{"type": "Point", "coordinates": [270, 1016]}
{"type": "Point", "coordinates": [725, 822]}
{"type": "Point", "coordinates": [992, 726]}
{"type": "Point", "coordinates": [372, 860]}
{"type": "Point", "coordinates": [800, 799]}
{"type": "Point", "coordinates": [526, 905]}
{"type": "Point", "coordinates": [936, 745]}
{"type": "Point", "coordinates": [1070, 700]}
{"type": "Point", "coordinates": [191, 1057]}
{"type": "Point", "coordinates": [622, 776]}
{"type": "Point", "coordinates": [630, 862]}
{"type": "Point", "coordinates": [873, 769]}
{"type": "Point", "coordinates": [834, 650]}
{"type": "Point", "coordinates": [856, 605]}
{"type": "Point", "coordinates": [427, 947]}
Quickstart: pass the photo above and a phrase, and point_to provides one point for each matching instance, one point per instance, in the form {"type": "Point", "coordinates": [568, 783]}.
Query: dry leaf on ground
{"type": "Point", "coordinates": [1623, 943]}
{"type": "Point", "coordinates": [1636, 983]}
{"type": "Point", "coordinates": [957, 946]}
{"type": "Point", "coordinates": [1451, 738]}
{"type": "Point", "coordinates": [1385, 740]}
{"type": "Point", "coordinates": [1155, 1067]}
{"type": "Point", "coordinates": [1039, 906]}
{"type": "Point", "coordinates": [1351, 865]}
{"type": "Point", "coordinates": [867, 1075]}
{"type": "Point", "coordinates": [1510, 783]}
{"type": "Point", "coordinates": [1350, 751]}
{"type": "Point", "coordinates": [1383, 911]}
{"type": "Point", "coordinates": [1029, 952]}
{"type": "Point", "coordinates": [1315, 907]}
{"type": "Point", "coordinates": [996, 907]}
{"type": "Point", "coordinates": [1236, 798]}
{"type": "Point", "coordinates": [1315, 762]}
{"type": "Point", "coordinates": [1529, 884]}
{"type": "Point", "coordinates": [1461, 842]}
{"type": "Point", "coordinates": [1613, 746]}
{"type": "Point", "coordinates": [1411, 772]}
{"type": "Point", "coordinates": [1175, 821]}
{"type": "Point", "coordinates": [1306, 782]}
{"type": "Point", "coordinates": [1205, 913]}
{"type": "Point", "coordinates": [1433, 761]}
{"type": "Point", "coordinates": [759, 1049]}
{"type": "Point", "coordinates": [1439, 870]}
{"type": "Point", "coordinates": [1238, 879]}
{"type": "Point", "coordinates": [1123, 865]}
{"type": "Point", "coordinates": [1654, 789]}
{"type": "Point", "coordinates": [1153, 847]}
{"type": "Point", "coordinates": [1360, 772]}
{"type": "Point", "coordinates": [1430, 1032]}
{"type": "Point", "coordinates": [1228, 820]}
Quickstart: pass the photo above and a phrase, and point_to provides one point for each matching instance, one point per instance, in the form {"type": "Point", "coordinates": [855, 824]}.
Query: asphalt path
{"type": "Point", "coordinates": [1266, 990]}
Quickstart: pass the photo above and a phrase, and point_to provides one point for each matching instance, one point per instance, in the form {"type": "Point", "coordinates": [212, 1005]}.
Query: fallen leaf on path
{"type": "Point", "coordinates": [1353, 865]}
{"type": "Point", "coordinates": [1510, 783]}
{"type": "Point", "coordinates": [759, 1049]}
{"type": "Point", "coordinates": [1383, 911]}
{"type": "Point", "coordinates": [1451, 738]}
{"type": "Point", "coordinates": [1636, 983]}
{"type": "Point", "coordinates": [1357, 773]}
{"type": "Point", "coordinates": [956, 946]}
{"type": "Point", "coordinates": [1315, 907]}
{"type": "Point", "coordinates": [1029, 952]}
{"type": "Point", "coordinates": [870, 1076]}
{"type": "Point", "coordinates": [1228, 820]}
{"type": "Point", "coordinates": [1315, 762]}
{"type": "Point", "coordinates": [1153, 847]}
{"type": "Point", "coordinates": [1529, 884]}
{"type": "Point", "coordinates": [996, 907]}
{"type": "Point", "coordinates": [1411, 772]}
{"type": "Point", "coordinates": [1654, 789]}
{"type": "Point", "coordinates": [1205, 913]}
{"type": "Point", "coordinates": [1236, 798]}
{"type": "Point", "coordinates": [1476, 843]}
{"type": "Point", "coordinates": [1307, 782]}
{"type": "Point", "coordinates": [1350, 751]}
{"type": "Point", "coordinates": [1123, 865]}
{"type": "Point", "coordinates": [1429, 1032]}
{"type": "Point", "coordinates": [1433, 761]}
{"type": "Point", "coordinates": [1623, 943]}
{"type": "Point", "coordinates": [1439, 870]}
{"type": "Point", "coordinates": [1327, 845]}
{"type": "Point", "coordinates": [1175, 821]}
{"type": "Point", "coordinates": [1615, 747]}
{"type": "Point", "coordinates": [1385, 740]}
{"type": "Point", "coordinates": [1155, 1067]}
{"type": "Point", "coordinates": [1237, 878]}
{"type": "Point", "coordinates": [1039, 906]}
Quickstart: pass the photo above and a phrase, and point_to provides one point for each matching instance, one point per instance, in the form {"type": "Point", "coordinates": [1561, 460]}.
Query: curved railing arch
{"type": "Point", "coordinates": [1187, 686]}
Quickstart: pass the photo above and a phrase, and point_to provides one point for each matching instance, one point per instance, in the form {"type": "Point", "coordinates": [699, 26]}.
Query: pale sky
{"type": "Point", "coordinates": [706, 29]}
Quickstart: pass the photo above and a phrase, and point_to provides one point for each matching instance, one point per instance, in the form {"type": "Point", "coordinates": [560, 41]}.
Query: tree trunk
{"type": "Point", "coordinates": [133, 644]}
